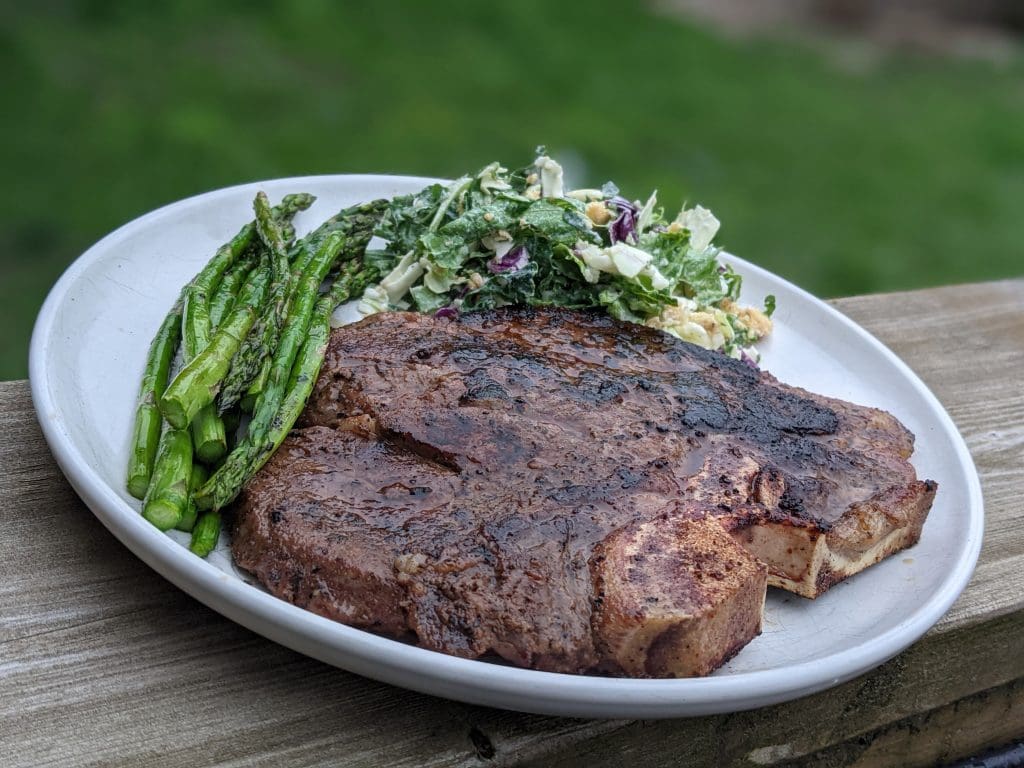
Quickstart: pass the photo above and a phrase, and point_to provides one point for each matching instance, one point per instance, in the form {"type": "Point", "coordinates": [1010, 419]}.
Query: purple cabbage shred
{"type": "Point", "coordinates": [624, 226]}
{"type": "Point", "coordinates": [449, 312]}
{"type": "Point", "coordinates": [744, 357]}
{"type": "Point", "coordinates": [514, 260]}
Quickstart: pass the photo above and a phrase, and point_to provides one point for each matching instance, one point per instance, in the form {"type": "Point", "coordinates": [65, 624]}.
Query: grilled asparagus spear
{"type": "Point", "coordinates": [168, 496]}
{"type": "Point", "coordinates": [148, 421]}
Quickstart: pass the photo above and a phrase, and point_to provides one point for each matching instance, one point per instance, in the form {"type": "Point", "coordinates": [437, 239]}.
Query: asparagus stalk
{"type": "Point", "coordinates": [146, 434]}
{"type": "Point", "coordinates": [198, 476]}
{"type": "Point", "coordinates": [270, 233]}
{"type": "Point", "coordinates": [245, 369]}
{"type": "Point", "coordinates": [260, 342]}
{"type": "Point", "coordinates": [208, 435]}
{"type": "Point", "coordinates": [227, 291]}
{"type": "Point", "coordinates": [168, 496]}
{"type": "Point", "coordinates": [288, 233]}
{"type": "Point", "coordinates": [187, 521]}
{"type": "Point", "coordinates": [197, 384]}
{"type": "Point", "coordinates": [279, 406]}
{"type": "Point", "coordinates": [205, 534]}
{"type": "Point", "coordinates": [248, 401]}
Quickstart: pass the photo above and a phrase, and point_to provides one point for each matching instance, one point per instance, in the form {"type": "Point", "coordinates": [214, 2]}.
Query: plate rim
{"type": "Point", "coordinates": [440, 674]}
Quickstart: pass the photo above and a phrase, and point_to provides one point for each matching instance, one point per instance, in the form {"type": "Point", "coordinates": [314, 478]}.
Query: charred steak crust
{"type": "Point", "coordinates": [455, 480]}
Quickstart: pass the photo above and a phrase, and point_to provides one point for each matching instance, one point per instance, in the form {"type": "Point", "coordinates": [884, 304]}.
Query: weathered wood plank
{"type": "Point", "coordinates": [941, 669]}
{"type": "Point", "coordinates": [101, 661]}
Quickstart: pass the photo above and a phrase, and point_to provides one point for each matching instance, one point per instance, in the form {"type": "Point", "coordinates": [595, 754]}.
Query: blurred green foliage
{"type": "Point", "coordinates": [908, 174]}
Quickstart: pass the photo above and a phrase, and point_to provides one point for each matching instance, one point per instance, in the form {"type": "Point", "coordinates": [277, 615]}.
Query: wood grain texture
{"type": "Point", "coordinates": [103, 662]}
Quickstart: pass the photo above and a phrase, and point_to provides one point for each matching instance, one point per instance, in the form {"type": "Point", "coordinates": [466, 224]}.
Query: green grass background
{"type": "Point", "coordinates": [906, 175]}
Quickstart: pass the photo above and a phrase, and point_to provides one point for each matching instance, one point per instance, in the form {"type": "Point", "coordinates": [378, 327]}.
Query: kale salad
{"type": "Point", "coordinates": [503, 237]}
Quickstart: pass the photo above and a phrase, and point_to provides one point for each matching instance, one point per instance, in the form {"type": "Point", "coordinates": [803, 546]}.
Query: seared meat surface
{"type": "Point", "coordinates": [559, 488]}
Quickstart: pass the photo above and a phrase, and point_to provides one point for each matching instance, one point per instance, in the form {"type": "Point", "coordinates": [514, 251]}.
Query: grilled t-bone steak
{"type": "Point", "coordinates": [568, 491]}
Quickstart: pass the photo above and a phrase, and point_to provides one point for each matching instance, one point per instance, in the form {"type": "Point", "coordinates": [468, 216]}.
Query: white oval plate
{"type": "Point", "coordinates": [87, 355]}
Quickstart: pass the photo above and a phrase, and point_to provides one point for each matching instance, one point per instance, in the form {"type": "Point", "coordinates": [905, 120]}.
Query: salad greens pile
{"type": "Point", "coordinates": [504, 237]}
